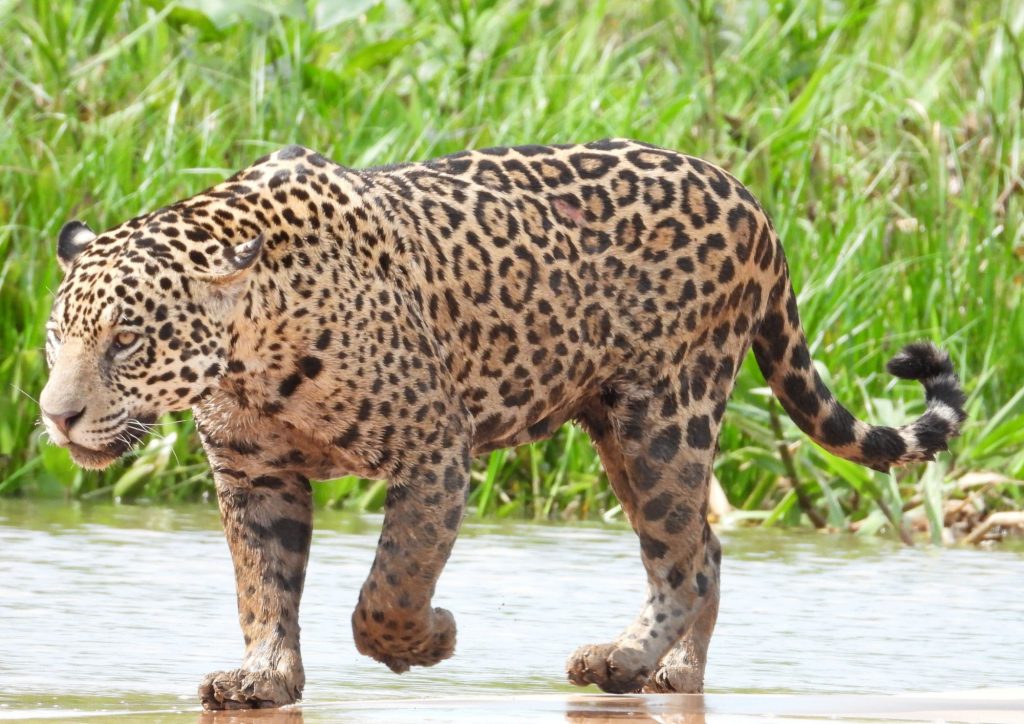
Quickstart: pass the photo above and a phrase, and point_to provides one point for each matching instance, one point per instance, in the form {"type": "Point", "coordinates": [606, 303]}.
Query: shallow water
{"type": "Point", "coordinates": [121, 608]}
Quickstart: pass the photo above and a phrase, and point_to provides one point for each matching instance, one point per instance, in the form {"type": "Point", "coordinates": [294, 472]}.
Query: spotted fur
{"type": "Point", "coordinates": [394, 322]}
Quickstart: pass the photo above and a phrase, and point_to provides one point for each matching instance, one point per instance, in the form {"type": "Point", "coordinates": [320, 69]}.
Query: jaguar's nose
{"type": "Point", "coordinates": [64, 420]}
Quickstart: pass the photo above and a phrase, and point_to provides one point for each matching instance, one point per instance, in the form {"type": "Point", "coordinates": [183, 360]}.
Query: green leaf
{"type": "Point", "coordinates": [132, 478]}
{"type": "Point", "coordinates": [375, 54]}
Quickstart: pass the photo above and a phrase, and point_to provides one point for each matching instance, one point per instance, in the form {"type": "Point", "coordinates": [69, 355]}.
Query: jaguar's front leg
{"type": "Point", "coordinates": [394, 621]}
{"type": "Point", "coordinates": [267, 520]}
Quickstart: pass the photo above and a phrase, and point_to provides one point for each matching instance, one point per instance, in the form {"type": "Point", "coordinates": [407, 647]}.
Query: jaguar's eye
{"type": "Point", "coordinates": [123, 340]}
{"type": "Point", "coordinates": [53, 338]}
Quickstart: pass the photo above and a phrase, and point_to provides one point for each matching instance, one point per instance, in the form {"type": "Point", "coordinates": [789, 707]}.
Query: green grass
{"type": "Point", "coordinates": [885, 138]}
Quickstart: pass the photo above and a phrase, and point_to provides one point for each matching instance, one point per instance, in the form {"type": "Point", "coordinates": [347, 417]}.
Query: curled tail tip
{"type": "Point", "coordinates": [931, 366]}
{"type": "Point", "coordinates": [930, 433]}
{"type": "Point", "coordinates": [920, 361]}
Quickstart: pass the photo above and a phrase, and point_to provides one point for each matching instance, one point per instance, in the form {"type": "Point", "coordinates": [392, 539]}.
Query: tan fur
{"type": "Point", "coordinates": [392, 323]}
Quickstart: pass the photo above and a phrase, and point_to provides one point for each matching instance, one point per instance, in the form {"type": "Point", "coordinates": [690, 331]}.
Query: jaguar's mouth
{"type": "Point", "coordinates": [126, 440]}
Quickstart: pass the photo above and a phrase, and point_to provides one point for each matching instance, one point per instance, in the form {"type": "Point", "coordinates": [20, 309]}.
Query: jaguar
{"type": "Point", "coordinates": [395, 322]}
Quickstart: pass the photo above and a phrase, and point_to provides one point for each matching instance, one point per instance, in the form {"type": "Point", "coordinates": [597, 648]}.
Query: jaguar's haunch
{"type": "Point", "coordinates": [394, 322]}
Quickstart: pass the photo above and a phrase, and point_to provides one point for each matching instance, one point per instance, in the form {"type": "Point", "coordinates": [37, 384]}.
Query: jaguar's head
{"type": "Point", "coordinates": [139, 326]}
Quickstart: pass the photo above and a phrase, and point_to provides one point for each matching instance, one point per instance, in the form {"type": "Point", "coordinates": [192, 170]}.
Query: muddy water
{"type": "Point", "coordinates": [123, 609]}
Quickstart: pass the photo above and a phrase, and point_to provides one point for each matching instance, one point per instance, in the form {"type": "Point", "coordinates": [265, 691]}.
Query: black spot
{"type": "Point", "coordinates": [289, 152]}
{"type": "Point", "coordinates": [452, 478]}
{"type": "Point", "coordinates": [693, 475]}
{"type": "Point", "coordinates": [727, 271]}
{"type": "Point", "coordinates": [797, 392]}
{"type": "Point", "coordinates": [656, 508]}
{"type": "Point", "coordinates": [279, 179]}
{"type": "Point", "coordinates": [293, 535]}
{"type": "Point", "coordinates": [932, 432]}
{"type": "Point", "coordinates": [676, 577]}
{"type": "Point", "coordinates": [719, 182]}
{"type": "Point", "coordinates": [453, 518]}
{"type": "Point", "coordinates": [310, 366]}
{"type": "Point", "coordinates": [396, 494]}
{"type": "Point", "coordinates": [665, 444]}
{"type": "Point", "coordinates": [288, 385]}
{"type": "Point", "coordinates": [698, 432]}
{"type": "Point", "coordinates": [268, 481]}
{"type": "Point", "coordinates": [652, 547]}
{"type": "Point", "coordinates": [645, 476]}
{"type": "Point", "coordinates": [772, 333]}
{"type": "Point", "coordinates": [721, 335]}
{"type": "Point", "coordinates": [764, 360]}
{"type": "Point", "coordinates": [702, 584]}
{"type": "Point", "coordinates": [883, 444]}
{"type": "Point", "coordinates": [348, 437]}
{"type": "Point", "coordinates": [800, 357]}
{"type": "Point", "coordinates": [791, 310]}
{"type": "Point", "coordinates": [541, 428]}
{"type": "Point", "coordinates": [678, 519]}
{"type": "Point", "coordinates": [837, 429]}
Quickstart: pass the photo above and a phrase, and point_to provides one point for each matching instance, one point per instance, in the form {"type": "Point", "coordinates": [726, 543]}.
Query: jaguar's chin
{"type": "Point", "coordinates": [126, 440]}
{"type": "Point", "coordinates": [86, 457]}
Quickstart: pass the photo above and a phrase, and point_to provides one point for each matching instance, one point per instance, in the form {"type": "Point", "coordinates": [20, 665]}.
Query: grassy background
{"type": "Point", "coordinates": [884, 137]}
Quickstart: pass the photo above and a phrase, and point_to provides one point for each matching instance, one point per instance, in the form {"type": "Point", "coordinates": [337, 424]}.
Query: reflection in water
{"type": "Point", "coordinates": [262, 716]}
{"type": "Point", "coordinates": [655, 709]}
{"type": "Point", "coordinates": [577, 709]}
{"type": "Point", "coordinates": [126, 608]}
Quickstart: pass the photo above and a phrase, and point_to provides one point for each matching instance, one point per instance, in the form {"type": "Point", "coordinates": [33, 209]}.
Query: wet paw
{"type": "Point", "coordinates": [400, 643]}
{"type": "Point", "coordinates": [675, 680]}
{"type": "Point", "coordinates": [245, 689]}
{"type": "Point", "coordinates": [610, 667]}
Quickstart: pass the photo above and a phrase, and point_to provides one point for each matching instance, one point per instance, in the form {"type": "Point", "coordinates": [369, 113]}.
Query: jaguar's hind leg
{"type": "Point", "coordinates": [681, 671]}
{"type": "Point", "coordinates": [658, 460]}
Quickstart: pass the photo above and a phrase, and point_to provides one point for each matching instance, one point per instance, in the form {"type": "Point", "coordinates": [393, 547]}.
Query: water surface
{"type": "Point", "coordinates": [123, 608]}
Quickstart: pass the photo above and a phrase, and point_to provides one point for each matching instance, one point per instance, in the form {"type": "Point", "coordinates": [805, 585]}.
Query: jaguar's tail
{"type": "Point", "coordinates": [781, 351]}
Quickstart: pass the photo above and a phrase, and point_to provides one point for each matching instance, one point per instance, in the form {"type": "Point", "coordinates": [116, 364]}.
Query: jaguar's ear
{"type": "Point", "coordinates": [73, 238]}
{"type": "Point", "coordinates": [238, 259]}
